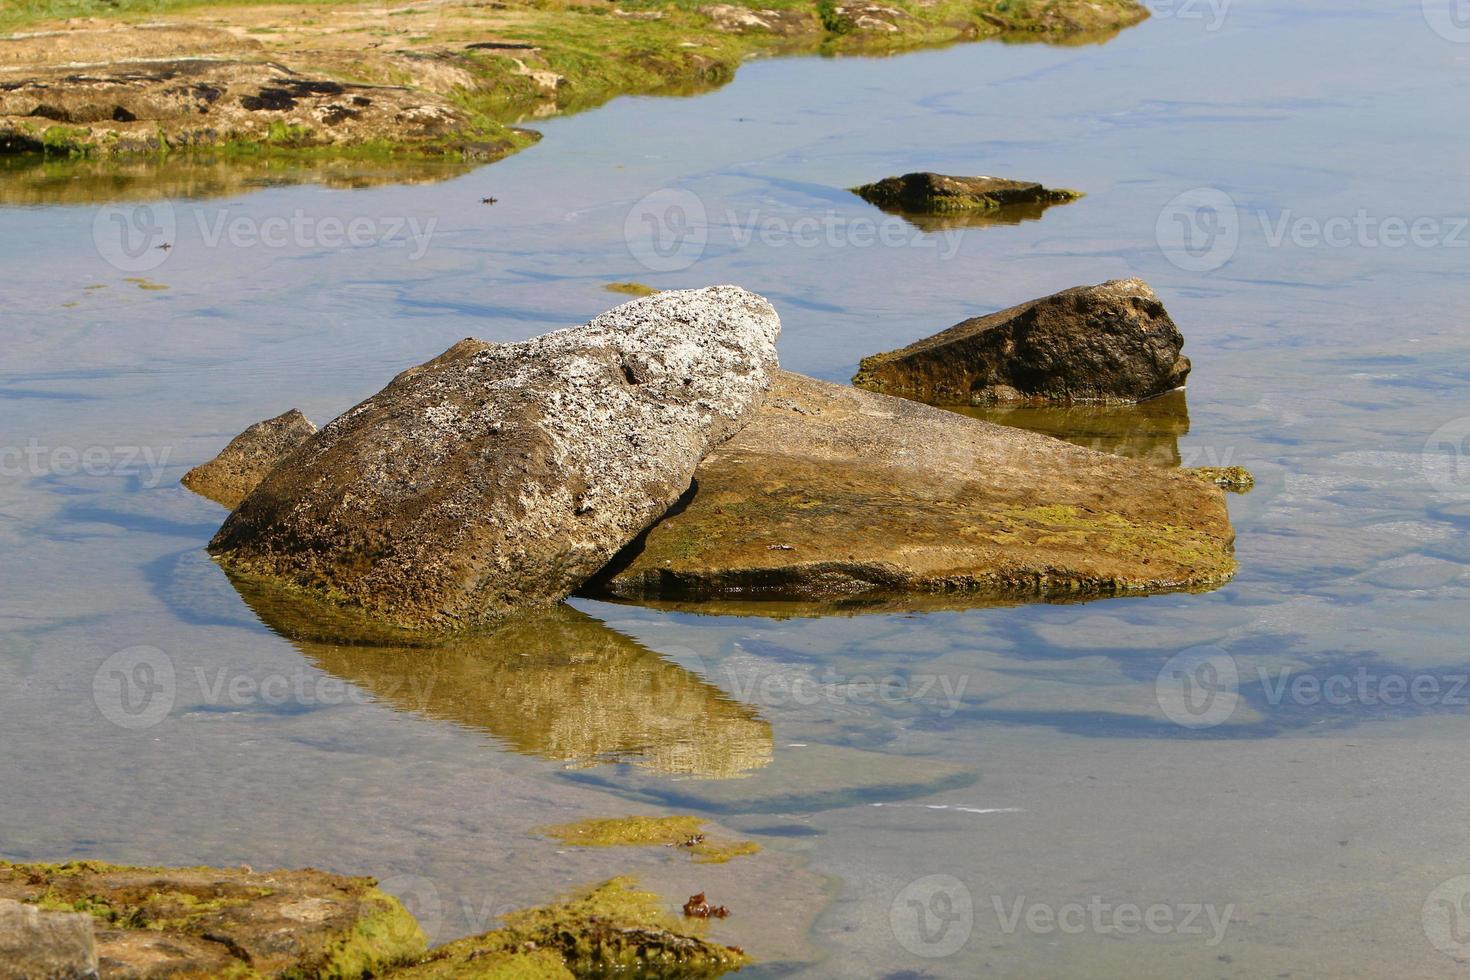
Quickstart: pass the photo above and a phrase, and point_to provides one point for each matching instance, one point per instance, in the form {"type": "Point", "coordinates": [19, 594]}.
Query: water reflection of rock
{"type": "Point", "coordinates": [1011, 214]}
{"type": "Point", "coordinates": [557, 684]}
{"type": "Point", "coordinates": [1148, 431]}
{"type": "Point", "coordinates": [32, 179]}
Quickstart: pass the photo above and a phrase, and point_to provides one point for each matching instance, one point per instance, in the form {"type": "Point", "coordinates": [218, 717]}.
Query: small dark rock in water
{"type": "Point", "coordinates": [1110, 343]}
{"type": "Point", "coordinates": [41, 943]}
{"type": "Point", "coordinates": [698, 908]}
{"type": "Point", "coordinates": [498, 477]}
{"type": "Point", "coordinates": [929, 193]}
{"type": "Point", "coordinates": [238, 469]}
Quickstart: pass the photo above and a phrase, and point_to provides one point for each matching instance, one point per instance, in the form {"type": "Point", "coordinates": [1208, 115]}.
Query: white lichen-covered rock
{"type": "Point", "coordinates": [497, 477]}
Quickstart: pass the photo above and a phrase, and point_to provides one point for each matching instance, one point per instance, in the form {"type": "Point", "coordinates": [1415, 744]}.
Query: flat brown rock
{"type": "Point", "coordinates": [833, 492]}
{"type": "Point", "coordinates": [242, 464]}
{"type": "Point", "coordinates": [1109, 343]}
{"type": "Point", "coordinates": [45, 943]}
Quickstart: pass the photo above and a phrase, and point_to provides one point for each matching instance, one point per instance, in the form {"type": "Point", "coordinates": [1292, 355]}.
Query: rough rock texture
{"type": "Point", "coordinates": [612, 930]}
{"type": "Point", "coordinates": [238, 469]}
{"type": "Point", "coordinates": [732, 19]}
{"type": "Point", "coordinates": [208, 922]}
{"type": "Point", "coordinates": [139, 105]}
{"type": "Point", "coordinates": [497, 477]}
{"type": "Point", "coordinates": [833, 492]}
{"type": "Point", "coordinates": [931, 193]}
{"type": "Point", "coordinates": [1108, 343]}
{"type": "Point", "coordinates": [43, 944]}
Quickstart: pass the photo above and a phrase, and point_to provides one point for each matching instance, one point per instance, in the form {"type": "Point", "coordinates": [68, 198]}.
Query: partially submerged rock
{"type": "Point", "coordinates": [931, 193]}
{"type": "Point", "coordinates": [1110, 343]}
{"type": "Point", "coordinates": [238, 469]}
{"type": "Point", "coordinates": [45, 944]}
{"type": "Point", "coordinates": [833, 492]}
{"type": "Point", "coordinates": [611, 930]}
{"type": "Point", "coordinates": [156, 922]}
{"type": "Point", "coordinates": [683, 832]}
{"type": "Point", "coordinates": [500, 477]}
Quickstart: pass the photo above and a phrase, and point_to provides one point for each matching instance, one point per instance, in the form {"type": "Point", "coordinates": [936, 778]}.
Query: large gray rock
{"type": "Point", "coordinates": [39, 944]}
{"type": "Point", "coordinates": [1108, 343]}
{"type": "Point", "coordinates": [229, 477]}
{"type": "Point", "coordinates": [497, 477]}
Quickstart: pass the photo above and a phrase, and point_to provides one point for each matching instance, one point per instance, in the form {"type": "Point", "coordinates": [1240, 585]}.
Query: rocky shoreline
{"type": "Point", "coordinates": [434, 78]}
{"type": "Point", "coordinates": [86, 920]}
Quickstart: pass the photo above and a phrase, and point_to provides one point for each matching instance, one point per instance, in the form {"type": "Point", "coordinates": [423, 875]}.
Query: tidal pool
{"type": "Point", "coordinates": [1260, 780]}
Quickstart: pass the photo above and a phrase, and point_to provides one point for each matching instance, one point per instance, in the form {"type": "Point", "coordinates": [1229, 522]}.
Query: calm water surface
{"type": "Point", "coordinates": [1007, 790]}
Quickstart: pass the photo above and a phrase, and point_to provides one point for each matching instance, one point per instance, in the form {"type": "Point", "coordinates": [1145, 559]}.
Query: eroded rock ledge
{"type": "Point", "coordinates": [837, 493]}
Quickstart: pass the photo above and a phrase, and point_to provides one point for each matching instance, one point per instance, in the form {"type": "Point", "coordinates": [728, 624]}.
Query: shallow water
{"type": "Point", "coordinates": [1087, 807]}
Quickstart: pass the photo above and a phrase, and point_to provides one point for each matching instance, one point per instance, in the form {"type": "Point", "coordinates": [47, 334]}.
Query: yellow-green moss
{"type": "Point", "coordinates": [384, 937]}
{"type": "Point", "coordinates": [614, 929]}
{"type": "Point", "coordinates": [1236, 479]}
{"type": "Point", "coordinates": [683, 832]}
{"type": "Point", "coordinates": [631, 288]}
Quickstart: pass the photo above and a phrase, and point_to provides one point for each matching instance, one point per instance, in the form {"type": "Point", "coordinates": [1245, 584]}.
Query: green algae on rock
{"type": "Point", "coordinates": [931, 193]}
{"type": "Point", "coordinates": [834, 493]}
{"type": "Point", "coordinates": [1236, 479]}
{"type": "Point", "coordinates": [611, 930]}
{"type": "Point", "coordinates": [225, 922]}
{"type": "Point", "coordinates": [683, 832]}
{"type": "Point", "coordinates": [630, 288]}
